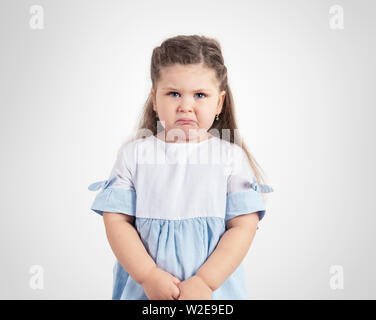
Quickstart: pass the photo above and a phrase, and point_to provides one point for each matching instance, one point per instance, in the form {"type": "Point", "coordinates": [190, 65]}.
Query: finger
{"type": "Point", "coordinates": [174, 296]}
{"type": "Point", "coordinates": [175, 292]}
{"type": "Point", "coordinates": [175, 280]}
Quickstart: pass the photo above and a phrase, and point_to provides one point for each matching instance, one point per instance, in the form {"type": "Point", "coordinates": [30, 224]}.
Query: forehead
{"type": "Point", "coordinates": [187, 77]}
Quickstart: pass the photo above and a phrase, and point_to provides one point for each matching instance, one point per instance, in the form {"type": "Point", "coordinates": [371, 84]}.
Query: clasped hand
{"type": "Point", "coordinates": [161, 285]}
{"type": "Point", "coordinates": [194, 288]}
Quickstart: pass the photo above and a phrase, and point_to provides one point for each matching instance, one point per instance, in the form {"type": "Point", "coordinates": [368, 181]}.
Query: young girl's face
{"type": "Point", "coordinates": [187, 92]}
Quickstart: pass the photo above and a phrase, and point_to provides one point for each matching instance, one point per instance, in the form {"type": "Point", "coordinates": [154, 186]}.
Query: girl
{"type": "Point", "coordinates": [178, 226]}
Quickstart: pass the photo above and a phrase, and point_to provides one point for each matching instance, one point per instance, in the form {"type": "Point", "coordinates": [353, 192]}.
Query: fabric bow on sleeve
{"type": "Point", "coordinates": [260, 187]}
{"type": "Point", "coordinates": [99, 184]}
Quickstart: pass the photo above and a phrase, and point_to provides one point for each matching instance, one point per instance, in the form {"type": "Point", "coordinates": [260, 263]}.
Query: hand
{"type": "Point", "coordinates": [194, 288]}
{"type": "Point", "coordinates": [161, 285]}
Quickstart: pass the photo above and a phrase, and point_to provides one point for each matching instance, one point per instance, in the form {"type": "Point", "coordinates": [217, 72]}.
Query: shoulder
{"type": "Point", "coordinates": [240, 161]}
{"type": "Point", "coordinates": [135, 150]}
{"type": "Point", "coordinates": [129, 147]}
{"type": "Point", "coordinates": [234, 151]}
{"type": "Point", "coordinates": [126, 153]}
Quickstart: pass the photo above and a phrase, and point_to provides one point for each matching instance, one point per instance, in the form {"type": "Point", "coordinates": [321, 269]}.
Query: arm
{"type": "Point", "coordinates": [230, 251]}
{"type": "Point", "coordinates": [127, 245]}
{"type": "Point", "coordinates": [128, 248]}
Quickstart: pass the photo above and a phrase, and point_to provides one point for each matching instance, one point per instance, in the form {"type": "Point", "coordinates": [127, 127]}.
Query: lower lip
{"type": "Point", "coordinates": [186, 121]}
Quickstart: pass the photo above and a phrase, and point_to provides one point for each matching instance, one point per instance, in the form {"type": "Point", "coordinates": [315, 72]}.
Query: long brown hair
{"type": "Point", "coordinates": [195, 49]}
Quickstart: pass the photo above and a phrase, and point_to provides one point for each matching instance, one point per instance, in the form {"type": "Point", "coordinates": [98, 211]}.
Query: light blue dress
{"type": "Point", "coordinates": [182, 195]}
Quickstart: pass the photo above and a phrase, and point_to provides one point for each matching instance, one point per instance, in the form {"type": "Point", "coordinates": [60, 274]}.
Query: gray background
{"type": "Point", "coordinates": [71, 93]}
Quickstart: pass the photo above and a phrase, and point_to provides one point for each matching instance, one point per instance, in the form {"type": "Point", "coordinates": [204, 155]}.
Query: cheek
{"type": "Point", "coordinates": [207, 110]}
{"type": "Point", "coordinates": [164, 104]}
{"type": "Point", "coordinates": [167, 105]}
{"type": "Point", "coordinates": [205, 118]}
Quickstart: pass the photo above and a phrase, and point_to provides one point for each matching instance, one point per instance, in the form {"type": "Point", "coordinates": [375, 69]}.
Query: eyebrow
{"type": "Point", "coordinates": [171, 88]}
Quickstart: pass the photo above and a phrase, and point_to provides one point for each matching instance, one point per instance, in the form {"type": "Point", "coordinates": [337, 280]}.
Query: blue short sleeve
{"type": "Point", "coordinates": [243, 191]}
{"type": "Point", "coordinates": [117, 193]}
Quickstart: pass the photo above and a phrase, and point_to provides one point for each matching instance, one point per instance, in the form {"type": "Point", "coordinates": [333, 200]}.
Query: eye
{"type": "Point", "coordinates": [199, 93]}
{"type": "Point", "coordinates": [202, 94]}
{"type": "Point", "coordinates": [172, 92]}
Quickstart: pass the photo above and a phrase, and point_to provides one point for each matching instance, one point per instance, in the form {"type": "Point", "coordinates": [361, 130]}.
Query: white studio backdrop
{"type": "Point", "coordinates": [72, 85]}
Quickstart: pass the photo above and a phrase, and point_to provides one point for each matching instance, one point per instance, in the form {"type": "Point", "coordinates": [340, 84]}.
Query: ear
{"type": "Point", "coordinates": [221, 99]}
{"type": "Point", "coordinates": [152, 93]}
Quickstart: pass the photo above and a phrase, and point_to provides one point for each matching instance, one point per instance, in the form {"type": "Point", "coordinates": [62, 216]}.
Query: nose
{"type": "Point", "coordinates": [186, 105]}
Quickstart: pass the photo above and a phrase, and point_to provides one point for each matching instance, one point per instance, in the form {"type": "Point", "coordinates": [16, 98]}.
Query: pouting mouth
{"type": "Point", "coordinates": [186, 120]}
